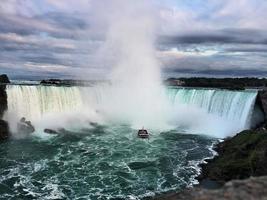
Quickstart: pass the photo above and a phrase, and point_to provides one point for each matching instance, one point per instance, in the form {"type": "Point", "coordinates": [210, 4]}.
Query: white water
{"type": "Point", "coordinates": [47, 107]}
{"type": "Point", "coordinates": [211, 111]}
{"type": "Point", "coordinates": [33, 102]}
{"type": "Point", "coordinates": [208, 111]}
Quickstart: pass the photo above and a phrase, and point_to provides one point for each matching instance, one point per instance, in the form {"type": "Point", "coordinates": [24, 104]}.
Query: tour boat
{"type": "Point", "coordinates": [142, 133]}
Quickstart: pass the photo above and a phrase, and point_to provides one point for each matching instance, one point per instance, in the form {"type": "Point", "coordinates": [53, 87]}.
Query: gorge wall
{"type": "Point", "coordinates": [4, 130]}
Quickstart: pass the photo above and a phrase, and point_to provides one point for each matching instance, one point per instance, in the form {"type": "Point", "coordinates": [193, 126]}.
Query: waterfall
{"type": "Point", "coordinates": [219, 112]}
{"type": "Point", "coordinates": [33, 102]}
{"type": "Point", "coordinates": [233, 106]}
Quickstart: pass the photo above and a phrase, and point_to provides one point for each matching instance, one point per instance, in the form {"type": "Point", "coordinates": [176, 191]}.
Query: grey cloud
{"type": "Point", "coordinates": [64, 20]}
{"type": "Point", "coordinates": [228, 36]}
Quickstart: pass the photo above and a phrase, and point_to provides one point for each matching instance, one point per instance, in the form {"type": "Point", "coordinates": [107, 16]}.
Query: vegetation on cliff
{"type": "Point", "coordinates": [225, 83]}
{"type": "Point", "coordinates": [240, 157]}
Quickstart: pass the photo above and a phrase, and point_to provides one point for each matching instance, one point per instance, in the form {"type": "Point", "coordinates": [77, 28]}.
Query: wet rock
{"type": "Point", "coordinates": [4, 130]}
{"type": "Point", "coordinates": [3, 100]}
{"type": "Point", "coordinates": [50, 131]}
{"type": "Point", "coordinates": [93, 124]}
{"type": "Point", "coordinates": [25, 127]}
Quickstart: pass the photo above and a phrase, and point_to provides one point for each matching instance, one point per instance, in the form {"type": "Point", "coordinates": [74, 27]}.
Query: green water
{"type": "Point", "coordinates": [100, 163]}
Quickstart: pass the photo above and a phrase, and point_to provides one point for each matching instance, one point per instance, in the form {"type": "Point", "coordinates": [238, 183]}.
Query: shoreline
{"type": "Point", "coordinates": [228, 168]}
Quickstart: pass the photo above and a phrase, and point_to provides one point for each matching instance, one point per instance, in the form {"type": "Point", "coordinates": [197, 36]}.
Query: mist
{"type": "Point", "coordinates": [136, 94]}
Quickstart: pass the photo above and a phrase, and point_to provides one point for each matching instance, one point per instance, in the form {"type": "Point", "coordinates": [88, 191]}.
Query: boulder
{"type": "Point", "coordinates": [25, 127]}
{"type": "Point", "coordinates": [50, 131]}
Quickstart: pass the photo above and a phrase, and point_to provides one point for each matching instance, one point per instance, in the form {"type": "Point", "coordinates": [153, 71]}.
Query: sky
{"type": "Point", "coordinates": [60, 38]}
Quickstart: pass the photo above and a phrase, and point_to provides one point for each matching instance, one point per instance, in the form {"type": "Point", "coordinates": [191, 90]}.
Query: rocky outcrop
{"type": "Point", "coordinates": [25, 127]}
{"type": "Point", "coordinates": [249, 189]}
{"type": "Point", "coordinates": [239, 157]}
{"type": "Point", "coordinates": [4, 130]}
{"type": "Point", "coordinates": [262, 101]}
{"type": "Point", "coordinates": [3, 100]}
{"type": "Point", "coordinates": [50, 131]}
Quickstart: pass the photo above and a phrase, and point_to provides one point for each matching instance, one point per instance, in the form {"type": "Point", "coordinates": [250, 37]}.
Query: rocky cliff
{"type": "Point", "coordinates": [4, 130]}
{"type": "Point", "coordinates": [262, 101]}
{"type": "Point", "coordinates": [239, 157]}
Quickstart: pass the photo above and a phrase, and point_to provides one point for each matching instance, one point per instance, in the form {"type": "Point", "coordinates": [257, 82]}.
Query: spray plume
{"type": "Point", "coordinates": [136, 95]}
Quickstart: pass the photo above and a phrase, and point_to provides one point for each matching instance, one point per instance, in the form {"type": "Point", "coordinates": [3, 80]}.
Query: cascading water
{"type": "Point", "coordinates": [235, 107]}
{"type": "Point", "coordinates": [208, 111]}
{"type": "Point", "coordinates": [33, 102]}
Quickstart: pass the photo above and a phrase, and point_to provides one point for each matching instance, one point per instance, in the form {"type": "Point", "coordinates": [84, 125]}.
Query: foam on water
{"type": "Point", "coordinates": [104, 164]}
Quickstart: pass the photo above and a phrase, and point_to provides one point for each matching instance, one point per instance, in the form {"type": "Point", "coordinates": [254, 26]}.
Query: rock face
{"type": "Point", "coordinates": [239, 157]}
{"type": "Point", "coordinates": [262, 101]}
{"type": "Point", "coordinates": [250, 189]}
{"type": "Point", "coordinates": [3, 100]}
{"type": "Point", "coordinates": [4, 130]}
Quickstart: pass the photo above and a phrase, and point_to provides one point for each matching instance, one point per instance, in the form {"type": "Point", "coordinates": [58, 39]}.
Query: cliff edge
{"type": "Point", "coordinates": [4, 130]}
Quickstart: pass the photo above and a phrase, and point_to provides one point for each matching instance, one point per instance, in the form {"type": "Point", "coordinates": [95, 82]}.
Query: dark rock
{"type": "Point", "coordinates": [239, 157]}
{"type": "Point", "coordinates": [3, 100]}
{"type": "Point", "coordinates": [262, 101]}
{"type": "Point", "coordinates": [25, 127]}
{"type": "Point", "coordinates": [4, 130]}
{"type": "Point", "coordinates": [250, 189]}
{"type": "Point", "coordinates": [94, 124]}
{"type": "Point", "coordinates": [50, 131]}
{"type": "Point", "coordinates": [4, 79]}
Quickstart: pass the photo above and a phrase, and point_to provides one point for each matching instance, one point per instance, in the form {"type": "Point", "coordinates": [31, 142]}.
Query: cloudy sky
{"type": "Point", "coordinates": [59, 38]}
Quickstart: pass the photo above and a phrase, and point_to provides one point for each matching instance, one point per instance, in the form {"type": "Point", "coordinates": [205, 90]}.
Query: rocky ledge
{"type": "Point", "coordinates": [249, 189]}
{"type": "Point", "coordinates": [239, 157]}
